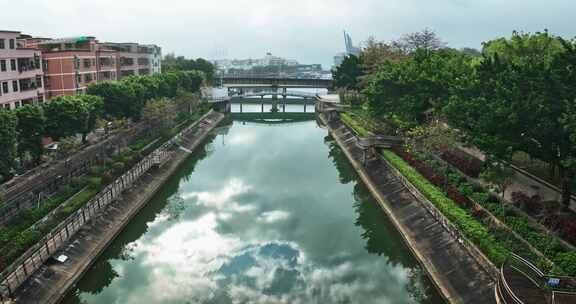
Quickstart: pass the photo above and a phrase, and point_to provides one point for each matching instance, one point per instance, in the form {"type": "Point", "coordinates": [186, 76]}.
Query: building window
{"type": "Point", "coordinates": [87, 62]}
{"type": "Point", "coordinates": [2, 46]}
{"type": "Point", "coordinates": [12, 43]}
{"type": "Point", "coordinates": [87, 77]}
{"type": "Point", "coordinates": [5, 87]}
{"type": "Point", "coordinates": [3, 65]}
{"type": "Point", "coordinates": [38, 81]}
{"type": "Point", "coordinates": [14, 86]}
{"type": "Point", "coordinates": [13, 64]}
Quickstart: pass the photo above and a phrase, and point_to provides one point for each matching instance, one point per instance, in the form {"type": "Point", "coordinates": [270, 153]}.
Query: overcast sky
{"type": "Point", "coordinates": [307, 30]}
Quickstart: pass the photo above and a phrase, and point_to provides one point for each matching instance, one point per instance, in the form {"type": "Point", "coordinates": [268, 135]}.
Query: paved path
{"type": "Point", "coordinates": [459, 277]}
{"type": "Point", "coordinates": [523, 182]}
{"type": "Point", "coordinates": [51, 283]}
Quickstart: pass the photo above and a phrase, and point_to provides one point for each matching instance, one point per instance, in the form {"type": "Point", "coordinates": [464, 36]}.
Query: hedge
{"type": "Point", "coordinates": [352, 123]}
{"type": "Point", "coordinates": [469, 226]}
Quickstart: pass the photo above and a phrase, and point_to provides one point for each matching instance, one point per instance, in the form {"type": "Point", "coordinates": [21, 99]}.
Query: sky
{"type": "Point", "coordinates": [309, 31]}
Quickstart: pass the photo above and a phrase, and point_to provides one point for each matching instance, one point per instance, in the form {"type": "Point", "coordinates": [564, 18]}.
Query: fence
{"type": "Point", "coordinates": [31, 189]}
{"type": "Point", "coordinates": [17, 273]}
{"type": "Point", "coordinates": [448, 226]}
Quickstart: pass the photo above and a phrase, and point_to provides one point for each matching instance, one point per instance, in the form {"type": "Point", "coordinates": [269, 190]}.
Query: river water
{"type": "Point", "coordinates": [263, 213]}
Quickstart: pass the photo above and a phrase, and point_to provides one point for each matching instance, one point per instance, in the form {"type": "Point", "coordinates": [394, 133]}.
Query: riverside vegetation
{"type": "Point", "coordinates": [514, 96]}
{"type": "Point", "coordinates": [164, 103]}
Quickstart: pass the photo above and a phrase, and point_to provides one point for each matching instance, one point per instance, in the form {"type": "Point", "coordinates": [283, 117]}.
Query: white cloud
{"type": "Point", "coordinates": [308, 30]}
{"type": "Point", "coordinates": [224, 197]}
{"type": "Point", "coordinates": [273, 216]}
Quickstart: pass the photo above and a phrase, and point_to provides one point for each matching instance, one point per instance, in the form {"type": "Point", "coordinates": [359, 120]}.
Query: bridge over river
{"type": "Point", "coordinates": [273, 81]}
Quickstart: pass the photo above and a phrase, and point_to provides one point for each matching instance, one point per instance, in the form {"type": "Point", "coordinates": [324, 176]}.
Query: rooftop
{"type": "Point", "coordinates": [68, 40]}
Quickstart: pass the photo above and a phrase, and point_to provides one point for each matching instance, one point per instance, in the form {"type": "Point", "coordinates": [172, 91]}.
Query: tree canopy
{"type": "Point", "coordinates": [347, 74]}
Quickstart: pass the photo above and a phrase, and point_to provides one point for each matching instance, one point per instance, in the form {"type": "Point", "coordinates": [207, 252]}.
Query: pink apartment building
{"type": "Point", "coordinates": [71, 64]}
{"type": "Point", "coordinates": [21, 75]}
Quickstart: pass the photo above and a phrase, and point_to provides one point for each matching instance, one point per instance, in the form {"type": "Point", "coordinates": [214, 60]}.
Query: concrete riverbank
{"type": "Point", "coordinates": [51, 283]}
{"type": "Point", "coordinates": [460, 277]}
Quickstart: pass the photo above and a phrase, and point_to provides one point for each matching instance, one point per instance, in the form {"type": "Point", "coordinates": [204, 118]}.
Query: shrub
{"type": "Point", "coordinates": [568, 230]}
{"type": "Point", "coordinates": [566, 261]}
{"type": "Point", "coordinates": [480, 197]}
{"type": "Point", "coordinates": [469, 166]}
{"type": "Point", "coordinates": [94, 182]}
{"type": "Point", "coordinates": [67, 190]}
{"type": "Point", "coordinates": [96, 170]}
{"type": "Point", "coordinates": [106, 177]}
{"type": "Point", "coordinates": [77, 182]}
{"type": "Point", "coordinates": [469, 226]}
{"type": "Point", "coordinates": [466, 189]}
{"type": "Point", "coordinates": [118, 167]}
{"type": "Point", "coordinates": [530, 204]}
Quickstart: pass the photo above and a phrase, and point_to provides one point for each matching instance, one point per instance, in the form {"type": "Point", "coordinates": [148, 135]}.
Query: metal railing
{"type": "Point", "coordinates": [19, 271]}
{"type": "Point", "coordinates": [30, 189]}
{"type": "Point", "coordinates": [445, 222]}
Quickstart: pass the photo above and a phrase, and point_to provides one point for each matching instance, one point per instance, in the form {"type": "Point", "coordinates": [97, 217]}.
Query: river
{"type": "Point", "coordinates": [263, 213]}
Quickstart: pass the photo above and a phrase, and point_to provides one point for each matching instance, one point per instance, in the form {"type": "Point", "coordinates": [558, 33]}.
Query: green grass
{"type": "Point", "coordinates": [79, 200]}
{"type": "Point", "coordinates": [350, 121]}
{"type": "Point", "coordinates": [471, 228]}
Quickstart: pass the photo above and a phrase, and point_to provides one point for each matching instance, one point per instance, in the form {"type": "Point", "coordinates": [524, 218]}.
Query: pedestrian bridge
{"type": "Point", "coordinates": [273, 117]}
{"type": "Point", "coordinates": [303, 95]}
{"type": "Point", "coordinates": [273, 81]}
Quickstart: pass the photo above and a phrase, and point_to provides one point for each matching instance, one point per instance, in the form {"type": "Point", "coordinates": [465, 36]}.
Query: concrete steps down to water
{"type": "Point", "coordinates": [51, 283]}
{"type": "Point", "coordinates": [459, 277]}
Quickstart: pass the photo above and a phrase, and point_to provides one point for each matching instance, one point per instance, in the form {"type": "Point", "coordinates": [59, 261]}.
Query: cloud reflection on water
{"type": "Point", "coordinates": [251, 227]}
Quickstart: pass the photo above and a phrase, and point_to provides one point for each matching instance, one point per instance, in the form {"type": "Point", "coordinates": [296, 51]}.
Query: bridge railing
{"type": "Point", "coordinates": [267, 75]}
{"type": "Point", "coordinates": [35, 257]}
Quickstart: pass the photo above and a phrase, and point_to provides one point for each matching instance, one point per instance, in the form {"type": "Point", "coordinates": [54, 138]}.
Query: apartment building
{"type": "Point", "coordinates": [71, 64]}
{"type": "Point", "coordinates": [21, 75]}
{"type": "Point", "coordinates": [136, 59]}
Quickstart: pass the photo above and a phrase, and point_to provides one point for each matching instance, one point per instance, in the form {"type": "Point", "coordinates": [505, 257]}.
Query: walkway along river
{"type": "Point", "coordinates": [263, 213]}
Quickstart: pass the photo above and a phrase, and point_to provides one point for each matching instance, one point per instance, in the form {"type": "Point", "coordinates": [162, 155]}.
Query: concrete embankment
{"type": "Point", "coordinates": [50, 284]}
{"type": "Point", "coordinates": [459, 276]}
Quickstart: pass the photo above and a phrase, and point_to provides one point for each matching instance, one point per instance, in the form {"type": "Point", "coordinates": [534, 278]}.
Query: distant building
{"type": "Point", "coordinates": [136, 59]}
{"type": "Point", "coordinates": [21, 75]}
{"type": "Point", "coordinates": [339, 58]}
{"type": "Point", "coordinates": [156, 59]}
{"type": "Point", "coordinates": [350, 50]}
{"type": "Point", "coordinates": [246, 64]}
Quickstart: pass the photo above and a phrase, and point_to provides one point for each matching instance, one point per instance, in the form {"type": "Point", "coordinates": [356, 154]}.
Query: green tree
{"type": "Point", "coordinates": [426, 40]}
{"type": "Point", "coordinates": [90, 110]}
{"type": "Point", "coordinates": [499, 175]}
{"type": "Point", "coordinates": [68, 115]}
{"type": "Point", "coordinates": [171, 63]}
{"type": "Point", "coordinates": [374, 54]}
{"type": "Point", "coordinates": [159, 114]}
{"type": "Point", "coordinates": [119, 98]}
{"type": "Point", "coordinates": [347, 74]}
{"type": "Point", "coordinates": [518, 100]}
{"type": "Point", "coordinates": [31, 126]}
{"type": "Point", "coordinates": [409, 91]}
{"type": "Point", "coordinates": [8, 125]}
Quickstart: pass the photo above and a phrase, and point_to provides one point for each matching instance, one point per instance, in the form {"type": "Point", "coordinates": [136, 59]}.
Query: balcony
{"type": "Point", "coordinates": [28, 64]}
{"type": "Point", "coordinates": [30, 84]}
